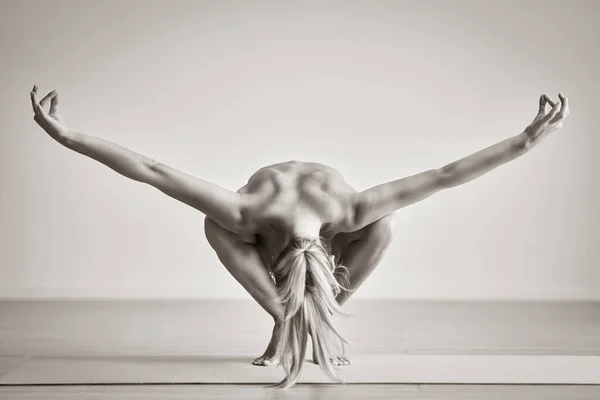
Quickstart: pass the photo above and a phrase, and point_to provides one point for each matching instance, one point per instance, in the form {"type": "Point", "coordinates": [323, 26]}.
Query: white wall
{"type": "Point", "coordinates": [378, 89]}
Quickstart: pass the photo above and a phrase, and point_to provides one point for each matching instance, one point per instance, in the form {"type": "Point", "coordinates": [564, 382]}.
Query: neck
{"type": "Point", "coordinates": [307, 230]}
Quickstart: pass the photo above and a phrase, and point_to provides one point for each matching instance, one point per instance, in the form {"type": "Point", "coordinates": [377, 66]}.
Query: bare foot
{"type": "Point", "coordinates": [270, 355]}
{"type": "Point", "coordinates": [337, 361]}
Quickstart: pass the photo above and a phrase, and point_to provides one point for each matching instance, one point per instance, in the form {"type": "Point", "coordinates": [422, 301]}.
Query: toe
{"type": "Point", "coordinates": [258, 361]}
{"type": "Point", "coordinates": [263, 361]}
{"type": "Point", "coordinates": [340, 361]}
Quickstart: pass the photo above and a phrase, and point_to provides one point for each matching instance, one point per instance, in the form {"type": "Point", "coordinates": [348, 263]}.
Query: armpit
{"type": "Point", "coordinates": [250, 238]}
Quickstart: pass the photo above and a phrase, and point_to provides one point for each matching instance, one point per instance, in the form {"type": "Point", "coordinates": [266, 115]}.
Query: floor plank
{"type": "Point", "coordinates": [252, 392]}
{"type": "Point", "coordinates": [7, 364]}
{"type": "Point", "coordinates": [501, 392]}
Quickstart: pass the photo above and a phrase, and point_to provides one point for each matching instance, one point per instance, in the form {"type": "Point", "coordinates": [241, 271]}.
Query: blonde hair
{"type": "Point", "coordinates": [308, 281]}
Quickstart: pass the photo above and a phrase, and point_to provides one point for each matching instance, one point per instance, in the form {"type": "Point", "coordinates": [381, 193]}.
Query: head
{"type": "Point", "coordinates": [308, 281]}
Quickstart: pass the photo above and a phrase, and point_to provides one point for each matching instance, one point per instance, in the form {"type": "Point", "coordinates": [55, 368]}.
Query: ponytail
{"type": "Point", "coordinates": [305, 276]}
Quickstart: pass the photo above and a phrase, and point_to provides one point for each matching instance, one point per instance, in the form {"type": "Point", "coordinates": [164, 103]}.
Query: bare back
{"type": "Point", "coordinates": [296, 195]}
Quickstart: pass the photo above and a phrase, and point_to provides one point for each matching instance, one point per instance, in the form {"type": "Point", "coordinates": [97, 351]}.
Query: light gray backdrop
{"type": "Point", "coordinates": [377, 89]}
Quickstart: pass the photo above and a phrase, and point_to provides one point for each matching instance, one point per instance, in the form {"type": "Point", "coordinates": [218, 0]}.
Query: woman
{"type": "Point", "coordinates": [297, 237]}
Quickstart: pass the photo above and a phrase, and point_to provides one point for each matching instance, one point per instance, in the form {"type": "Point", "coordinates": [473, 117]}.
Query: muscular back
{"type": "Point", "coordinates": [288, 194]}
{"type": "Point", "coordinates": [295, 195]}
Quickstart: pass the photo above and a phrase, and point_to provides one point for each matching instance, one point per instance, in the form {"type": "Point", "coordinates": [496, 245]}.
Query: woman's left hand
{"type": "Point", "coordinates": [544, 123]}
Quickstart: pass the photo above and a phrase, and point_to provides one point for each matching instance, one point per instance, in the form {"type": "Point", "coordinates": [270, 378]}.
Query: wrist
{"type": "Point", "coordinates": [67, 139]}
{"type": "Point", "coordinates": [525, 141]}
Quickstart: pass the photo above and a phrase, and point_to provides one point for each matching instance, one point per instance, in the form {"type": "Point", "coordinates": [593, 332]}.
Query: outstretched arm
{"type": "Point", "coordinates": [374, 203]}
{"type": "Point", "coordinates": [220, 204]}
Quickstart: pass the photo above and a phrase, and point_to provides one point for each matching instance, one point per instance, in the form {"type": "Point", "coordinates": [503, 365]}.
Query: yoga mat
{"type": "Point", "coordinates": [374, 368]}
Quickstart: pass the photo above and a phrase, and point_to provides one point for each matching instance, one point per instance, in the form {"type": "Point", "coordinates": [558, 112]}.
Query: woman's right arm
{"type": "Point", "coordinates": [122, 160]}
{"type": "Point", "coordinates": [222, 205]}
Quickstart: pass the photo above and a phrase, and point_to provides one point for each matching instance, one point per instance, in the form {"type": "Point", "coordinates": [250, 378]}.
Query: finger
{"type": "Point", "coordinates": [549, 100]}
{"type": "Point", "coordinates": [544, 99]}
{"type": "Point", "coordinates": [564, 106]}
{"type": "Point", "coordinates": [37, 109]}
{"type": "Point", "coordinates": [54, 104]}
{"type": "Point", "coordinates": [32, 94]}
{"type": "Point", "coordinates": [542, 109]}
{"type": "Point", "coordinates": [48, 97]}
{"type": "Point", "coordinates": [552, 113]}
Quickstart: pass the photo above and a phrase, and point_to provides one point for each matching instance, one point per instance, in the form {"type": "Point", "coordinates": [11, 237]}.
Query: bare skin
{"type": "Point", "coordinates": [248, 228]}
{"type": "Point", "coordinates": [296, 197]}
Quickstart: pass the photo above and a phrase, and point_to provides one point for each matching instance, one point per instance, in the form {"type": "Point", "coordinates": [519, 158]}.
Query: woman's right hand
{"type": "Point", "coordinates": [49, 121]}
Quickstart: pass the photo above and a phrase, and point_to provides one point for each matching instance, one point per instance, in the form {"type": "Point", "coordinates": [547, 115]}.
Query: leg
{"type": "Point", "coordinates": [361, 252]}
{"type": "Point", "coordinates": [243, 261]}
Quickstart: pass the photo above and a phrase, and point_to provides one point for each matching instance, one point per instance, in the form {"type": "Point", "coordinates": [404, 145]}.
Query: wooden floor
{"type": "Point", "coordinates": [53, 328]}
{"type": "Point", "coordinates": [325, 392]}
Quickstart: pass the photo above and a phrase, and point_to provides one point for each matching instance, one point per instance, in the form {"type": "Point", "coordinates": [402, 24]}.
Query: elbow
{"type": "Point", "coordinates": [443, 178]}
{"type": "Point", "coordinates": [152, 165]}
{"type": "Point", "coordinates": [148, 171]}
{"type": "Point", "coordinates": [152, 169]}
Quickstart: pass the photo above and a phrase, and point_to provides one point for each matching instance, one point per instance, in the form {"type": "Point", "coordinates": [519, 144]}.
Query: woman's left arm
{"type": "Point", "coordinates": [483, 161]}
{"type": "Point", "coordinates": [372, 204]}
